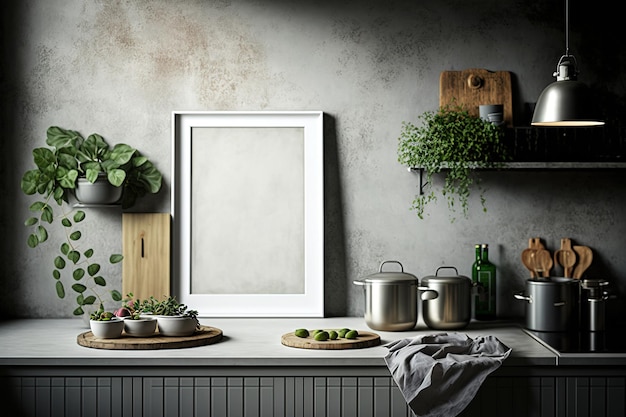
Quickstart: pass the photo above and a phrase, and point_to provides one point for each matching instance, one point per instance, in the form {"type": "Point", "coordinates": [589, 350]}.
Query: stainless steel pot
{"type": "Point", "coordinates": [390, 299]}
{"type": "Point", "coordinates": [552, 304]}
{"type": "Point", "coordinates": [452, 308]}
{"type": "Point", "coordinates": [593, 297]}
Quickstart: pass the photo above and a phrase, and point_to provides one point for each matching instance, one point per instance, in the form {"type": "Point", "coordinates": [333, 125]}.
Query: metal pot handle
{"type": "Point", "coordinates": [380, 269]}
{"type": "Point", "coordinates": [448, 267]}
{"type": "Point", "coordinates": [427, 293]}
{"type": "Point", "coordinates": [358, 282]}
{"type": "Point", "coordinates": [478, 289]}
{"type": "Point", "coordinates": [520, 296]}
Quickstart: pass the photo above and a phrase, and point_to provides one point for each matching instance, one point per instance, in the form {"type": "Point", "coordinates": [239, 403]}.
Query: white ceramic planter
{"type": "Point", "coordinates": [144, 327]}
{"type": "Point", "coordinates": [176, 325]}
{"type": "Point", "coordinates": [100, 192]}
{"type": "Point", "coordinates": [110, 329]}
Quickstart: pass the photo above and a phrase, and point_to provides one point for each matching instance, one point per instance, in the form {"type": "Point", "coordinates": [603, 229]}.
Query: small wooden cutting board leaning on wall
{"type": "Point", "coordinates": [474, 87]}
{"type": "Point", "coordinates": [146, 250]}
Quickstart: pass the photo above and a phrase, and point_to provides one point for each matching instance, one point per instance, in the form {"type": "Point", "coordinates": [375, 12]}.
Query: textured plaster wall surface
{"type": "Point", "coordinates": [119, 68]}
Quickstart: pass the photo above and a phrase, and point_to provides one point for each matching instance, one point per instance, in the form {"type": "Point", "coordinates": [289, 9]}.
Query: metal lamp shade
{"type": "Point", "coordinates": [565, 103]}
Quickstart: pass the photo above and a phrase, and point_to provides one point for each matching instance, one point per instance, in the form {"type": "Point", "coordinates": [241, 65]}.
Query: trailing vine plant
{"type": "Point", "coordinates": [57, 167]}
{"type": "Point", "coordinates": [74, 265]}
{"type": "Point", "coordinates": [452, 142]}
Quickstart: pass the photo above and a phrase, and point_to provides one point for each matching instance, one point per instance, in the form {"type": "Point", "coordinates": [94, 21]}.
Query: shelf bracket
{"type": "Point", "coordinates": [420, 173]}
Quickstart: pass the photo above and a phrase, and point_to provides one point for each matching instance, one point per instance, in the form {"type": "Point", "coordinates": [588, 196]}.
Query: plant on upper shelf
{"type": "Point", "coordinates": [452, 142]}
{"type": "Point", "coordinates": [58, 167]}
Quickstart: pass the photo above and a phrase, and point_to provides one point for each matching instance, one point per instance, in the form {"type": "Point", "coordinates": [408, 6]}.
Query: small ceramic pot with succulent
{"type": "Point", "coordinates": [140, 326]}
{"type": "Point", "coordinates": [174, 319]}
{"type": "Point", "coordinates": [136, 324]}
{"type": "Point", "coordinates": [105, 325]}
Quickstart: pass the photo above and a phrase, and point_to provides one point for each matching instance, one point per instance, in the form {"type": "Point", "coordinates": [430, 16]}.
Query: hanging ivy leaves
{"type": "Point", "coordinates": [93, 269]}
{"type": "Point", "coordinates": [59, 262]}
{"type": "Point", "coordinates": [60, 289]}
{"type": "Point", "coordinates": [78, 274]}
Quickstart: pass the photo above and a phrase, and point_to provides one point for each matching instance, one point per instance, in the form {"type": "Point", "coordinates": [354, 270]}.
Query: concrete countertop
{"type": "Point", "coordinates": [246, 342]}
{"type": "Point", "coordinates": [250, 342]}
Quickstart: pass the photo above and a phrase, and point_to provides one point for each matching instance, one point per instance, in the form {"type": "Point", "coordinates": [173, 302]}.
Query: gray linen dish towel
{"type": "Point", "coordinates": [439, 374]}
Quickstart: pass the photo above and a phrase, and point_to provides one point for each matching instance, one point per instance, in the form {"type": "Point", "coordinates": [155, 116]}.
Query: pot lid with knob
{"type": "Point", "coordinates": [446, 279]}
{"type": "Point", "coordinates": [389, 277]}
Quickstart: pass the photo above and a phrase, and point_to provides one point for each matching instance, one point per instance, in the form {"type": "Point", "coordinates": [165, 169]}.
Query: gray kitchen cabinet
{"type": "Point", "coordinates": [360, 393]}
{"type": "Point", "coordinates": [251, 374]}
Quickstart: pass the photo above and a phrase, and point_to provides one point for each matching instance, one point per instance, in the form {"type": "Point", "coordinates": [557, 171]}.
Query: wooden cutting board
{"type": "Point", "coordinates": [204, 336]}
{"type": "Point", "coordinates": [473, 87]}
{"type": "Point", "coordinates": [146, 250]}
{"type": "Point", "coordinates": [364, 340]}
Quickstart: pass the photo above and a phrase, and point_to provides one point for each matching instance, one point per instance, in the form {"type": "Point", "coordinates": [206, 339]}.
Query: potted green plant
{"type": "Point", "coordinates": [71, 159]}
{"type": "Point", "coordinates": [174, 318]}
{"type": "Point", "coordinates": [452, 142]}
{"type": "Point", "coordinates": [105, 325]}
{"type": "Point", "coordinates": [136, 323]}
{"type": "Point", "coordinates": [58, 167]}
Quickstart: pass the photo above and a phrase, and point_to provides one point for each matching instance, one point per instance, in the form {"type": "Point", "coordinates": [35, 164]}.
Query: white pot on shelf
{"type": "Point", "coordinates": [107, 329]}
{"type": "Point", "coordinates": [100, 192]}
{"type": "Point", "coordinates": [176, 325]}
{"type": "Point", "coordinates": [143, 327]}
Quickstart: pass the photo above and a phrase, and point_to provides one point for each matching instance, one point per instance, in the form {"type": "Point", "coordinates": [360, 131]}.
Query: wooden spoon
{"type": "Point", "coordinates": [565, 257]}
{"type": "Point", "coordinates": [543, 262]}
{"type": "Point", "coordinates": [528, 259]}
{"type": "Point", "coordinates": [528, 255]}
{"type": "Point", "coordinates": [535, 243]}
{"type": "Point", "coordinates": [585, 256]}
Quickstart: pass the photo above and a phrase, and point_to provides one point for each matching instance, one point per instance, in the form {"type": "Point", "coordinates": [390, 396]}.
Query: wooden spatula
{"type": "Point", "coordinates": [585, 256]}
{"type": "Point", "coordinates": [535, 243]}
{"type": "Point", "coordinates": [565, 257]}
{"type": "Point", "coordinates": [528, 258]}
{"type": "Point", "coordinates": [528, 255]}
{"type": "Point", "coordinates": [543, 262]}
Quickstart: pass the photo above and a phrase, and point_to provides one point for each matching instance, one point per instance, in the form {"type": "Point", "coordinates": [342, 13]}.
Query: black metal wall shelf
{"type": "Point", "coordinates": [534, 148]}
{"type": "Point", "coordinates": [538, 166]}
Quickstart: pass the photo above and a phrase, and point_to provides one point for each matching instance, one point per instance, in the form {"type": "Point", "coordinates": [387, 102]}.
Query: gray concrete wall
{"type": "Point", "coordinates": [120, 68]}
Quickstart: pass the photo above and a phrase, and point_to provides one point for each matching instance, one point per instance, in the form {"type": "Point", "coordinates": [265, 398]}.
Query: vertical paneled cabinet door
{"type": "Point", "coordinates": [296, 396]}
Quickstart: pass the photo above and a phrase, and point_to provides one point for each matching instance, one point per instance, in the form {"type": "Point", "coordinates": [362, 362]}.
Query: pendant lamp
{"type": "Point", "coordinates": [567, 101]}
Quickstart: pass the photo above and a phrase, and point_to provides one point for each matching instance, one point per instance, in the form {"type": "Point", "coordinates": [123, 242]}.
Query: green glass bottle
{"type": "Point", "coordinates": [485, 308]}
{"type": "Point", "coordinates": [476, 263]}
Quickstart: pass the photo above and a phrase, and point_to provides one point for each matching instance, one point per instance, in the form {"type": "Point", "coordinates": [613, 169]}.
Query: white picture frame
{"type": "Point", "coordinates": [232, 255]}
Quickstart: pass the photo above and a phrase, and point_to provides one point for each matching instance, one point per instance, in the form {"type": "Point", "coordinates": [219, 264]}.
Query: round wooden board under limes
{"type": "Point", "coordinates": [363, 340]}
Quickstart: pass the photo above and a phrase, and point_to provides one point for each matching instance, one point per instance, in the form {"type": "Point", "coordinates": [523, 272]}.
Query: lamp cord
{"type": "Point", "coordinates": [566, 27]}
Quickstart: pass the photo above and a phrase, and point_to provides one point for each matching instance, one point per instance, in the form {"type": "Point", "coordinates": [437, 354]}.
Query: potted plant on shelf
{"type": "Point", "coordinates": [173, 318]}
{"type": "Point", "coordinates": [73, 161]}
{"type": "Point", "coordinates": [455, 143]}
{"type": "Point", "coordinates": [105, 325]}
{"type": "Point", "coordinates": [58, 169]}
{"type": "Point", "coordinates": [136, 323]}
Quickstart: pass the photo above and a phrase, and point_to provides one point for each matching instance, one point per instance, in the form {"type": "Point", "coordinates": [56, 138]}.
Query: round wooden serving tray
{"type": "Point", "coordinates": [204, 336]}
{"type": "Point", "coordinates": [364, 340]}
